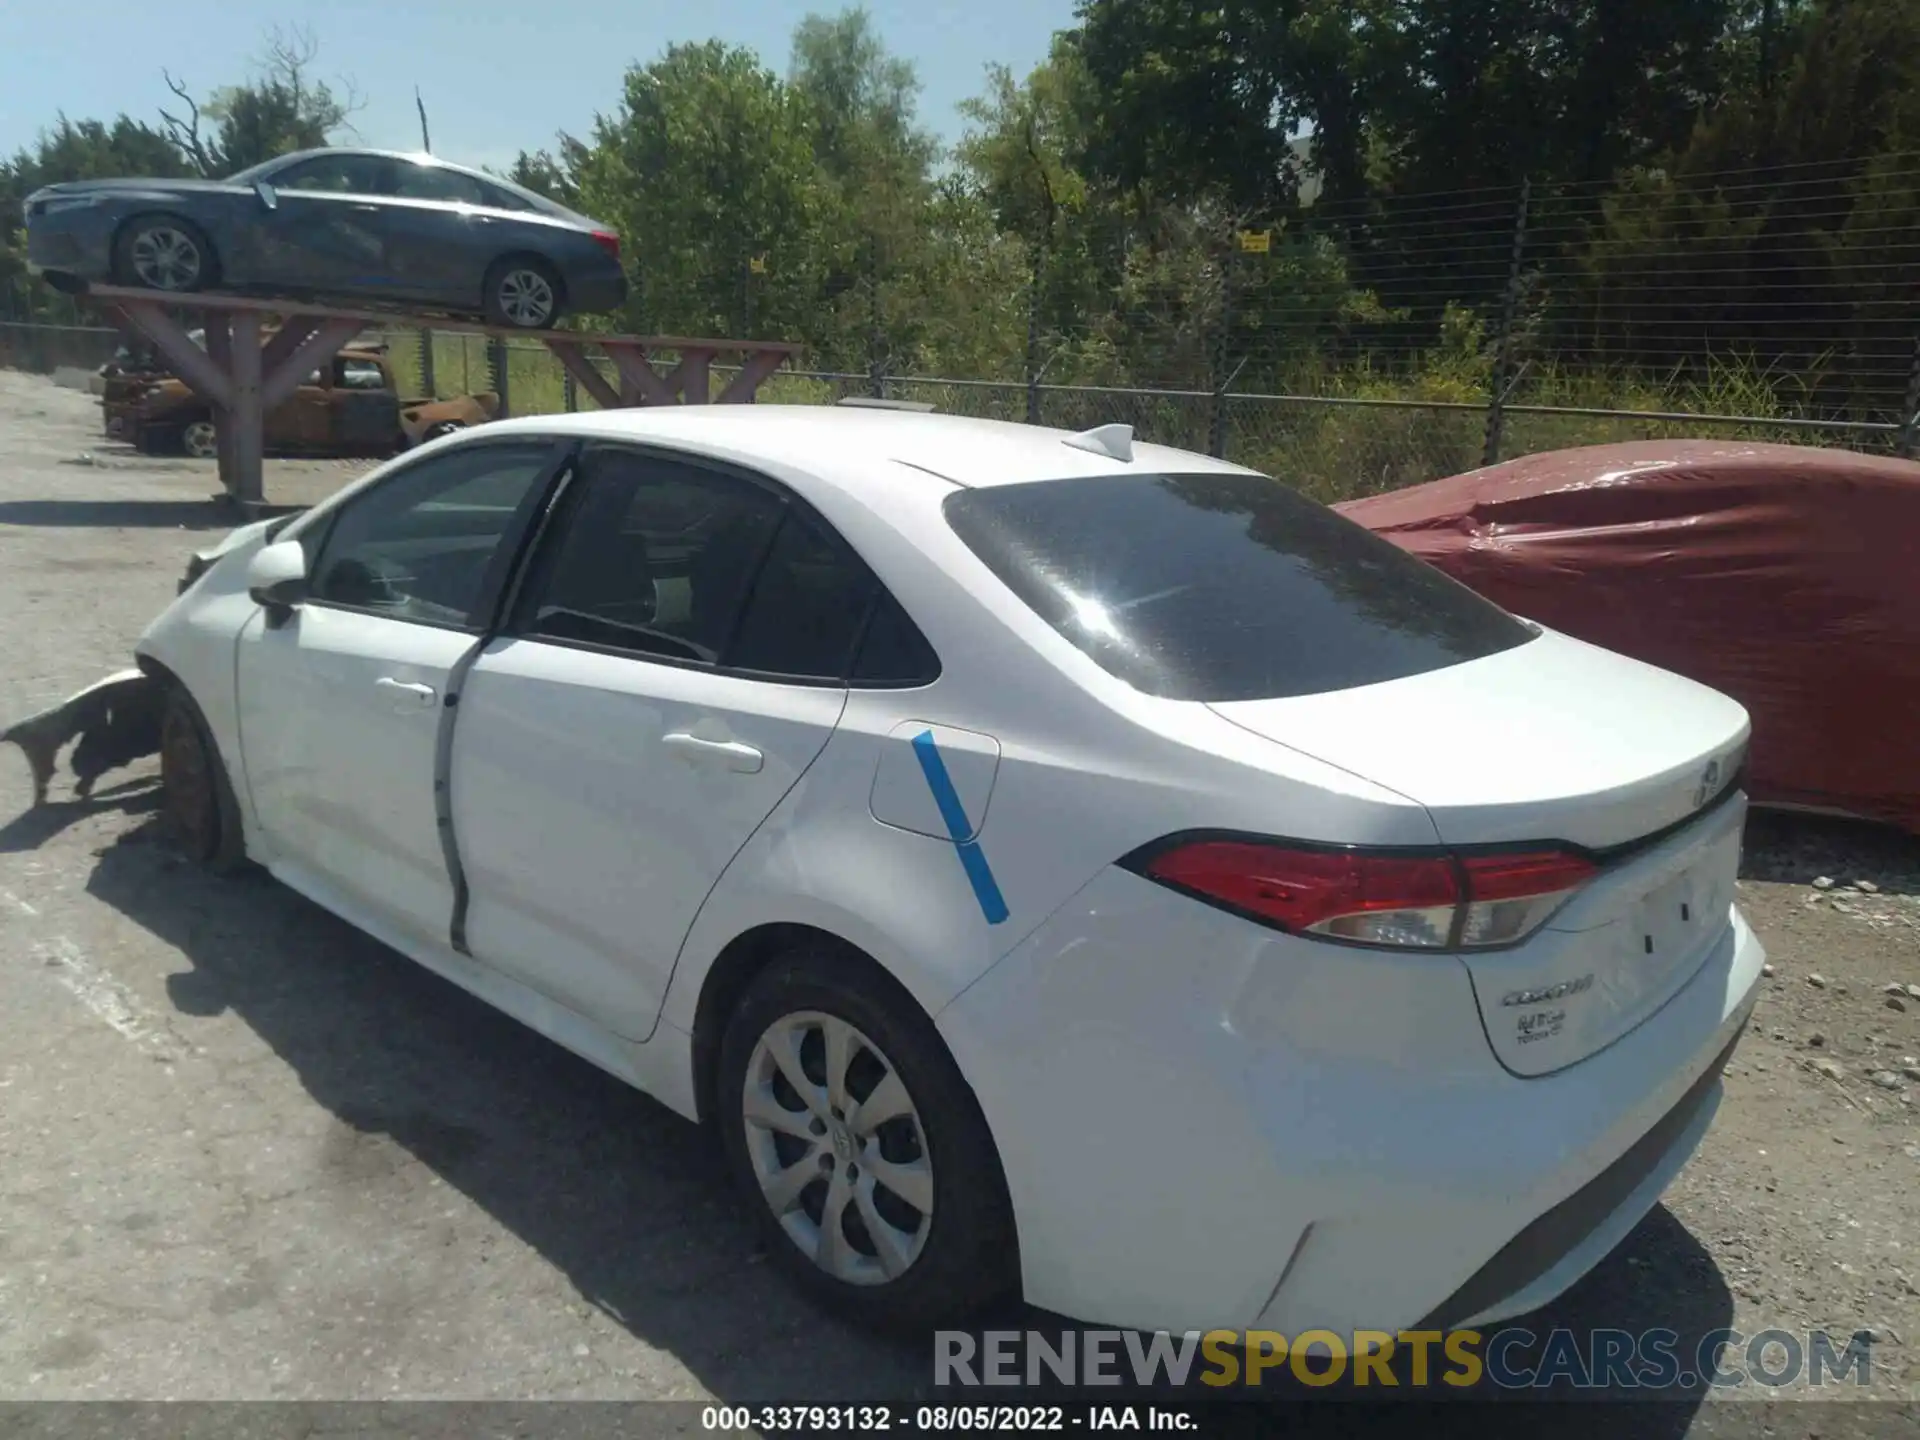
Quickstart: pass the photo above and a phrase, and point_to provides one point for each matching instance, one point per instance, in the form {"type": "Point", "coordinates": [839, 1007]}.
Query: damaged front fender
{"type": "Point", "coordinates": [115, 720]}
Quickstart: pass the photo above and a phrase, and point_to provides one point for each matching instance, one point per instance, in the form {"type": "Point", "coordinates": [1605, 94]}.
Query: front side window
{"type": "Point", "coordinates": [341, 174]}
{"type": "Point", "coordinates": [1223, 586]}
{"type": "Point", "coordinates": [664, 559]}
{"type": "Point", "coordinates": [419, 546]}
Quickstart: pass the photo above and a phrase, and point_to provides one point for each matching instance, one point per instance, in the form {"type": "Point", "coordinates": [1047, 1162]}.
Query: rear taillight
{"type": "Point", "coordinates": [1375, 897]}
{"type": "Point", "coordinates": [1510, 895]}
{"type": "Point", "coordinates": [608, 241]}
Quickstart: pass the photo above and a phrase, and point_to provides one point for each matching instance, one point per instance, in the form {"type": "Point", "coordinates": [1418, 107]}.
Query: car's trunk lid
{"type": "Point", "coordinates": [1559, 743]}
{"type": "Point", "coordinates": [1551, 740]}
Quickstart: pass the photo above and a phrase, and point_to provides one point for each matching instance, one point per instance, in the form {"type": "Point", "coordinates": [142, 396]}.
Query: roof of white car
{"type": "Point", "coordinates": [822, 438]}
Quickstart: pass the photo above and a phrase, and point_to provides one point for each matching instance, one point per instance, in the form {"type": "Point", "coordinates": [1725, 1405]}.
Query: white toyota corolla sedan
{"type": "Point", "coordinates": [1048, 861]}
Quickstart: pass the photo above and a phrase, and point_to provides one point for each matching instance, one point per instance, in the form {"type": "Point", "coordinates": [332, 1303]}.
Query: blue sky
{"type": "Point", "coordinates": [496, 77]}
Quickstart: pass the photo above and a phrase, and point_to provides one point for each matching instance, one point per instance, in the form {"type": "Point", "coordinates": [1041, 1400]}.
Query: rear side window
{"type": "Point", "coordinates": [655, 559]}
{"type": "Point", "coordinates": [436, 182]}
{"type": "Point", "coordinates": [1221, 587]}
{"type": "Point", "coordinates": [500, 198]}
{"type": "Point", "coordinates": [893, 652]}
{"type": "Point", "coordinates": [807, 605]}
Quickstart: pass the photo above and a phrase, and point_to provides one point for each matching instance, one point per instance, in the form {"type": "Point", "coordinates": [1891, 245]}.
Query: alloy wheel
{"type": "Point", "coordinates": [526, 298]}
{"type": "Point", "coordinates": [201, 440]}
{"type": "Point", "coordinates": [838, 1148]}
{"type": "Point", "coordinates": [166, 258]}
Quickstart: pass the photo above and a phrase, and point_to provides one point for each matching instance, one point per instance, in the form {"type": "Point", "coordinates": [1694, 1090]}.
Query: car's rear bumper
{"type": "Point", "coordinates": [1560, 1246]}
{"type": "Point", "coordinates": [596, 291]}
{"type": "Point", "coordinates": [1207, 1125]}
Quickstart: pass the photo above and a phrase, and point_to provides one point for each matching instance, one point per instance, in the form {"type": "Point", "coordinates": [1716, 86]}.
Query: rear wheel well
{"type": "Point", "coordinates": [734, 969]}
{"type": "Point", "coordinates": [744, 957]}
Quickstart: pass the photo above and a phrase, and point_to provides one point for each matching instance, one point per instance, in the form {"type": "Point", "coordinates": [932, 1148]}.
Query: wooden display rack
{"type": "Point", "coordinates": [243, 379]}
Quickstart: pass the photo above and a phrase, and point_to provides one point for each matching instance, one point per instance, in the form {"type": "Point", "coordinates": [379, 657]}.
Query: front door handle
{"type": "Point", "coordinates": [730, 754]}
{"type": "Point", "coordinates": [408, 690]}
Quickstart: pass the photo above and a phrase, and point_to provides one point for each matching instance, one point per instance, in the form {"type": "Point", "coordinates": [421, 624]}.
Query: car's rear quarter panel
{"type": "Point", "coordinates": [1088, 771]}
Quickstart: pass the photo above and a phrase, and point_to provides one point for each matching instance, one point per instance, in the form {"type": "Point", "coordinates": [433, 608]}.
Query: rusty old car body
{"type": "Point", "coordinates": [350, 406]}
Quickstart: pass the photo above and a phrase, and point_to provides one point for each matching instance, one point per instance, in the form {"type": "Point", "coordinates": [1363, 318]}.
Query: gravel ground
{"type": "Point", "coordinates": [248, 1153]}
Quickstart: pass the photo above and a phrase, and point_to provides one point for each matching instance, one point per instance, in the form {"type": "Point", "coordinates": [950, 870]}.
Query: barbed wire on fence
{"type": "Point", "coordinates": [1354, 345]}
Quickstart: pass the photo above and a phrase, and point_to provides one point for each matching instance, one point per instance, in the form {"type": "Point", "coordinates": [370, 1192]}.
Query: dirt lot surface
{"type": "Point", "coordinates": [247, 1153]}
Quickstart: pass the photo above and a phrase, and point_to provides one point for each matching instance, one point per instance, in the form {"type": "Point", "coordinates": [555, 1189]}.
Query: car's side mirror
{"type": "Point", "coordinates": [277, 579]}
{"type": "Point", "coordinates": [268, 199]}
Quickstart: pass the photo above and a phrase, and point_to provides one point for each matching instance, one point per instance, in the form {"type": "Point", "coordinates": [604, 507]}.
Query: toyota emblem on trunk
{"type": "Point", "coordinates": [1709, 783]}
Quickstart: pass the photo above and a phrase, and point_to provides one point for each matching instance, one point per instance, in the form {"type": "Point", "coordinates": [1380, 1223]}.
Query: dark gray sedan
{"type": "Point", "coordinates": [359, 224]}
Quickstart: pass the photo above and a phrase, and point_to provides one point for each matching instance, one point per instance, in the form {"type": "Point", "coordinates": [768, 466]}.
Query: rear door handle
{"type": "Point", "coordinates": [407, 690]}
{"type": "Point", "coordinates": [730, 754]}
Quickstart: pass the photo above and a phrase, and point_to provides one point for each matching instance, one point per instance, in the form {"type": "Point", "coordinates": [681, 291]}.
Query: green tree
{"type": "Point", "coordinates": [71, 150]}
{"type": "Point", "coordinates": [708, 163]}
{"type": "Point", "coordinates": [552, 173]}
{"type": "Point", "coordinates": [1795, 198]}
{"type": "Point", "coordinates": [1024, 157]}
{"type": "Point", "coordinates": [1207, 98]}
{"type": "Point", "coordinates": [874, 164]}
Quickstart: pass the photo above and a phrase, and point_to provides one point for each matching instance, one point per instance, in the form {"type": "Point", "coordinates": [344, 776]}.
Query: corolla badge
{"type": "Point", "coordinates": [1541, 995]}
{"type": "Point", "coordinates": [1709, 784]}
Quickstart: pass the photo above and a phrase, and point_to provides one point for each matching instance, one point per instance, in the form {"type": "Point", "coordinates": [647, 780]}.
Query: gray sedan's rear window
{"type": "Point", "coordinates": [1220, 587]}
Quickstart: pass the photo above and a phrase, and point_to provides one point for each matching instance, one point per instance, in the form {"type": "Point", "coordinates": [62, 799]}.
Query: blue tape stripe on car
{"type": "Point", "coordinates": [972, 858]}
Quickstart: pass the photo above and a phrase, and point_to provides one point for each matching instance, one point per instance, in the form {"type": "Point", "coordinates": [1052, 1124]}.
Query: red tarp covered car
{"type": "Point", "coordinates": [1789, 578]}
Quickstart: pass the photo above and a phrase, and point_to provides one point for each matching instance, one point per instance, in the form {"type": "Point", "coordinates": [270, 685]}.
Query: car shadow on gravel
{"type": "Point", "coordinates": [31, 829]}
{"type": "Point", "coordinates": [631, 1203]}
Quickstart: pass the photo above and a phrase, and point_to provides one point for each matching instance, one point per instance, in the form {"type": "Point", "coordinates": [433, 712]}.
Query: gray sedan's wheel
{"type": "Point", "coordinates": [523, 293]}
{"type": "Point", "coordinates": [201, 439]}
{"type": "Point", "coordinates": [859, 1145]}
{"type": "Point", "coordinates": [163, 252]}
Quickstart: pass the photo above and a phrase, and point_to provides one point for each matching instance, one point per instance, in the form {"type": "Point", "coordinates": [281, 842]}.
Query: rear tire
{"type": "Point", "coordinates": [200, 439]}
{"type": "Point", "coordinates": [197, 797]}
{"type": "Point", "coordinates": [164, 252]}
{"type": "Point", "coordinates": [921, 1230]}
{"type": "Point", "coordinates": [522, 292]}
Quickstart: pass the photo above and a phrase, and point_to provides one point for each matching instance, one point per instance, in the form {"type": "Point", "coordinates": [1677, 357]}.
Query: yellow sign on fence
{"type": "Point", "coordinates": [1256, 242]}
{"type": "Point", "coordinates": [758, 265]}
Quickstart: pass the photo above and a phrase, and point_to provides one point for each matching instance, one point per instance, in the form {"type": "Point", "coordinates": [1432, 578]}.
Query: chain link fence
{"type": "Point", "coordinates": [46, 348]}
{"type": "Point", "coordinates": [1332, 447]}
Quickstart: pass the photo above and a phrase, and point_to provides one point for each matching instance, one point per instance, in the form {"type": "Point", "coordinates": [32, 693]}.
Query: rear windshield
{"type": "Point", "coordinates": [1223, 587]}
